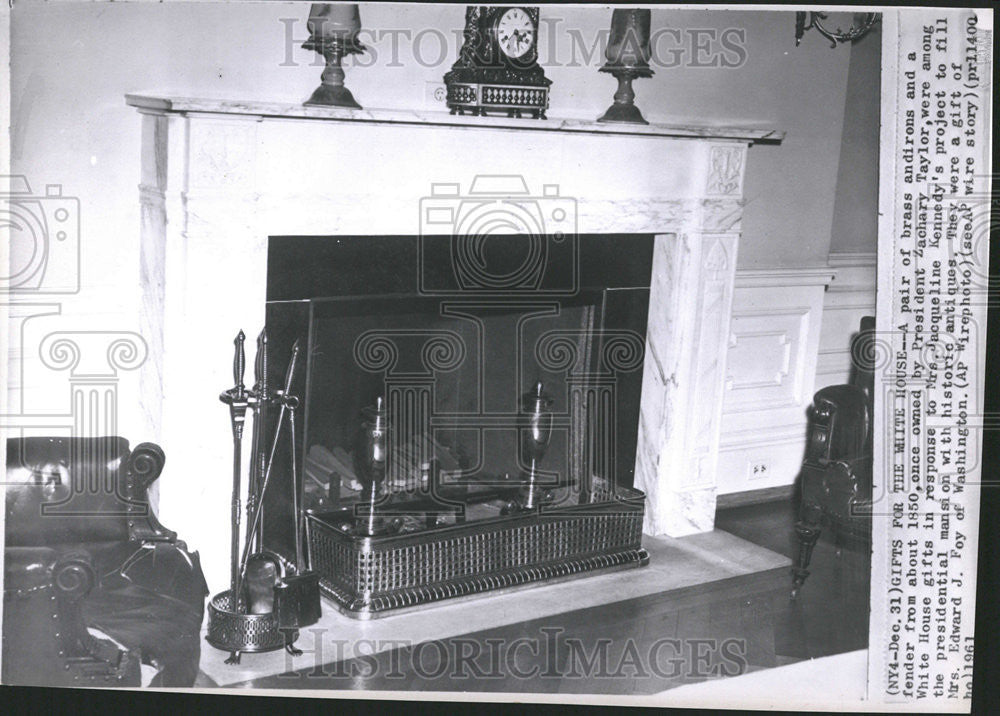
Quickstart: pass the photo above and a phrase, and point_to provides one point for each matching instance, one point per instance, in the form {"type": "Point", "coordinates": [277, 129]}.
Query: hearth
{"type": "Point", "coordinates": [502, 375]}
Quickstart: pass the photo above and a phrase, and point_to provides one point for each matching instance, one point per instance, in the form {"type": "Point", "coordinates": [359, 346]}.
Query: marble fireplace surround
{"type": "Point", "coordinates": [220, 177]}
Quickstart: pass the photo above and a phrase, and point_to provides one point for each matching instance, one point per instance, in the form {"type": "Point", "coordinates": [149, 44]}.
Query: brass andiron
{"type": "Point", "coordinates": [536, 408]}
{"type": "Point", "coordinates": [333, 33]}
{"type": "Point", "coordinates": [628, 59]}
{"type": "Point", "coordinates": [370, 463]}
{"type": "Point", "coordinates": [472, 531]}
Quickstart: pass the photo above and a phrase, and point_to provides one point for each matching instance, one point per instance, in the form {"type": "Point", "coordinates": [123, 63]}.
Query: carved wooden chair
{"type": "Point", "coordinates": [836, 477]}
{"type": "Point", "coordinates": [94, 585]}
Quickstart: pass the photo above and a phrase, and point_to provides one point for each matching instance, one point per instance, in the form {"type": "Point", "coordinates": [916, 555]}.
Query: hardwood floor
{"type": "Point", "coordinates": [642, 645]}
{"type": "Point", "coordinates": [830, 615]}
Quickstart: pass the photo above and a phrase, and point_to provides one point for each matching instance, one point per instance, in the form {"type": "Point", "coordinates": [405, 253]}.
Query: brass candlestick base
{"type": "Point", "coordinates": [332, 92]}
{"type": "Point", "coordinates": [624, 109]}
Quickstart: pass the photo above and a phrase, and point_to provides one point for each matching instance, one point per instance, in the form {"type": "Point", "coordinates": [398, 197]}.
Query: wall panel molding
{"type": "Point", "coordinates": [851, 258]}
{"type": "Point", "coordinates": [781, 277]}
{"type": "Point", "coordinates": [771, 368]}
{"type": "Point", "coordinates": [767, 358]}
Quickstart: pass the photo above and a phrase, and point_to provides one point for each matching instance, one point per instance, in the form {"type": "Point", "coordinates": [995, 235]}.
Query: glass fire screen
{"type": "Point", "coordinates": [453, 367]}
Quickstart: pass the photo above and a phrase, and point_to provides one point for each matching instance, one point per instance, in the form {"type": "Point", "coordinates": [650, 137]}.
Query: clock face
{"type": "Point", "coordinates": [515, 33]}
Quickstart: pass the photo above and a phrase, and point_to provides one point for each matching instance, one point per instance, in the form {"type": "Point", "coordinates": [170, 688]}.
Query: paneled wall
{"type": "Point", "coordinates": [791, 333]}
{"type": "Point", "coordinates": [773, 347]}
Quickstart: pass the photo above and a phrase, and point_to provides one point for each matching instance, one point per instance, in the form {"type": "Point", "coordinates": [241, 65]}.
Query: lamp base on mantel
{"type": "Point", "coordinates": [627, 113]}
{"type": "Point", "coordinates": [624, 109]}
{"type": "Point", "coordinates": [332, 96]}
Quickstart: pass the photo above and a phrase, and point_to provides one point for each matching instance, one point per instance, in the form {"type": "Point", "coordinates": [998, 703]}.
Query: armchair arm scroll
{"type": "Point", "coordinates": [141, 470]}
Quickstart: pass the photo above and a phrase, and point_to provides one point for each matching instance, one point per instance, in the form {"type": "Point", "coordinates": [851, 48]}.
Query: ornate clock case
{"type": "Point", "coordinates": [497, 69]}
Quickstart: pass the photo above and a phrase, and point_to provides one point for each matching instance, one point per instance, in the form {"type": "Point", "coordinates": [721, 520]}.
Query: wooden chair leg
{"type": "Point", "coordinates": [807, 530]}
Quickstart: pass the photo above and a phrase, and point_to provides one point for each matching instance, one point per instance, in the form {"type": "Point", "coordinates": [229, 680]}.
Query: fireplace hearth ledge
{"type": "Point", "coordinates": [678, 569]}
{"type": "Point", "coordinates": [219, 177]}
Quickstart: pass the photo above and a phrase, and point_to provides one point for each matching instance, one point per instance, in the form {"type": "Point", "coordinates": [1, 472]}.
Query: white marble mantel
{"type": "Point", "coordinates": [220, 177]}
{"type": "Point", "coordinates": [281, 110]}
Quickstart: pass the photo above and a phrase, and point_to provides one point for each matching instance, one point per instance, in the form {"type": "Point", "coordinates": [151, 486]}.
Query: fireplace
{"type": "Point", "coordinates": [226, 183]}
{"type": "Point", "coordinates": [451, 332]}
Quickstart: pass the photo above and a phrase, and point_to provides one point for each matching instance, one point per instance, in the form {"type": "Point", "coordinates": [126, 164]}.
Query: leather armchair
{"type": "Point", "coordinates": [94, 585]}
{"type": "Point", "coordinates": [836, 477]}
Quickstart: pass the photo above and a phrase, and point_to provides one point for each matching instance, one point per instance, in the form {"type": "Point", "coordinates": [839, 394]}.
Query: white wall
{"type": "Point", "coordinates": [855, 210]}
{"type": "Point", "coordinates": [70, 124]}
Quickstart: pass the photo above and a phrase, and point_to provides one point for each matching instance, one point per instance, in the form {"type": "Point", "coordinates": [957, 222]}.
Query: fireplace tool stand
{"type": "Point", "coordinates": [279, 598]}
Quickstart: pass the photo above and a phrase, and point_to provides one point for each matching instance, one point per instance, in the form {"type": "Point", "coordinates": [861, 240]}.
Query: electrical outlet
{"type": "Point", "coordinates": [758, 469]}
{"type": "Point", "coordinates": [435, 94]}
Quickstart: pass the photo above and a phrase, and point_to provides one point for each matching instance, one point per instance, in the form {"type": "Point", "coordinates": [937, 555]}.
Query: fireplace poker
{"type": "Point", "coordinates": [238, 400]}
{"type": "Point", "coordinates": [299, 566]}
{"type": "Point", "coordinates": [296, 597]}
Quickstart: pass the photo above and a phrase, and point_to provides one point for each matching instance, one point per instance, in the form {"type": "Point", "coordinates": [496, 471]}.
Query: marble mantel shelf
{"type": "Point", "coordinates": [156, 103]}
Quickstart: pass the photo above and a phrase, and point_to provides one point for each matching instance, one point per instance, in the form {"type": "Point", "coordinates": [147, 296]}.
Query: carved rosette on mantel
{"type": "Point", "coordinates": [220, 178]}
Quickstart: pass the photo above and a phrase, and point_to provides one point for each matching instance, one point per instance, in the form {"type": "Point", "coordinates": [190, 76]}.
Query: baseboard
{"type": "Point", "coordinates": [754, 497]}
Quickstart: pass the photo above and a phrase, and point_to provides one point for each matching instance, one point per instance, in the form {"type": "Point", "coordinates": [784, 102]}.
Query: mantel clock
{"type": "Point", "coordinates": [497, 69]}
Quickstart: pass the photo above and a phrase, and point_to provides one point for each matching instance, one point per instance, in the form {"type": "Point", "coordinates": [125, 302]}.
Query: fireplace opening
{"type": "Point", "coordinates": [454, 338]}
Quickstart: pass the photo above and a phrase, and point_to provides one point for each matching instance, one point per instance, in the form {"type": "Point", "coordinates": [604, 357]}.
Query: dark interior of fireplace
{"type": "Point", "coordinates": [452, 338]}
